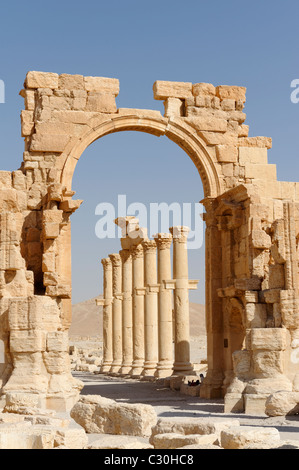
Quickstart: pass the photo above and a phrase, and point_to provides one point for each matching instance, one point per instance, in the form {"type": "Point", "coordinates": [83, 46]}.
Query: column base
{"type": "Point", "coordinates": [137, 368]}
{"type": "Point", "coordinates": [115, 369]}
{"type": "Point", "coordinates": [149, 369]}
{"type": "Point", "coordinates": [105, 368]}
{"type": "Point", "coordinates": [164, 369]}
{"type": "Point", "coordinates": [182, 368]}
{"type": "Point", "coordinates": [126, 370]}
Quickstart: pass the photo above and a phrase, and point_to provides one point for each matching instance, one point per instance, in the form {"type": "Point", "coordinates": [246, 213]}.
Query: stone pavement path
{"type": "Point", "coordinates": [169, 403]}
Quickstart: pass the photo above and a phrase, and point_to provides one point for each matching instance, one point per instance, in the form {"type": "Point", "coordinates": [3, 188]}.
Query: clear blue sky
{"type": "Point", "coordinates": [252, 44]}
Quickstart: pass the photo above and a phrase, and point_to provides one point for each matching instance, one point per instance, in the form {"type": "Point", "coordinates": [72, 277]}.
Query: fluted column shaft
{"type": "Point", "coordinates": [117, 312]}
{"type": "Point", "coordinates": [107, 315]}
{"type": "Point", "coordinates": [127, 319]}
{"type": "Point", "coordinates": [138, 309]}
{"type": "Point", "coordinates": [150, 308]}
{"type": "Point", "coordinates": [182, 363]}
{"type": "Point", "coordinates": [165, 336]}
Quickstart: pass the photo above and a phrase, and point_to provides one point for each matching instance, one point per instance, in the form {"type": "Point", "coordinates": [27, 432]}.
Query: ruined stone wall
{"type": "Point", "coordinates": [252, 227]}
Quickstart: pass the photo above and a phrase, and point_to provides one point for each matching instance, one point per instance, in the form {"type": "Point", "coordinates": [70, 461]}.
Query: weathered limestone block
{"type": "Point", "coordinates": [118, 442]}
{"type": "Point", "coordinates": [289, 308]}
{"type": "Point", "coordinates": [49, 142]}
{"type": "Point", "coordinates": [34, 313]}
{"type": "Point", "coordinates": [267, 363]}
{"type": "Point", "coordinates": [28, 374]}
{"type": "Point", "coordinates": [231, 92]}
{"type": "Point", "coordinates": [237, 437]}
{"type": "Point", "coordinates": [241, 363]}
{"type": "Point", "coordinates": [175, 440]}
{"type": "Point", "coordinates": [71, 82]}
{"type": "Point", "coordinates": [260, 171]}
{"type": "Point", "coordinates": [207, 123]}
{"type": "Point", "coordinates": [263, 142]}
{"type": "Point", "coordinates": [101, 415]}
{"type": "Point", "coordinates": [27, 341]}
{"type": "Point", "coordinates": [193, 391]}
{"type": "Point", "coordinates": [51, 223]}
{"type": "Point", "coordinates": [102, 85]}
{"type": "Point", "coordinates": [163, 90]}
{"type": "Point", "coordinates": [48, 262]}
{"type": "Point", "coordinates": [101, 102]}
{"type": "Point", "coordinates": [41, 80]}
{"type": "Point", "coordinates": [268, 385]}
{"type": "Point", "coordinates": [173, 107]}
{"type": "Point", "coordinates": [282, 403]}
{"type": "Point", "coordinates": [253, 155]}
{"type": "Point", "coordinates": [63, 291]}
{"type": "Point", "coordinates": [57, 341]}
{"type": "Point", "coordinates": [227, 153]}
{"type": "Point", "coordinates": [203, 89]}
{"type": "Point", "coordinates": [197, 426]}
{"type": "Point", "coordinates": [272, 339]}
{"type": "Point", "coordinates": [256, 315]}
{"type": "Point", "coordinates": [27, 123]}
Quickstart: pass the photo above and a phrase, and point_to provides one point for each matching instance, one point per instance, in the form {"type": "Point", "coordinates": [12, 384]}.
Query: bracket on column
{"type": "Point", "coordinates": [139, 290]}
{"type": "Point", "coordinates": [153, 288]}
{"type": "Point", "coordinates": [118, 297]}
{"type": "Point", "coordinates": [104, 302]}
{"type": "Point", "coordinates": [181, 283]}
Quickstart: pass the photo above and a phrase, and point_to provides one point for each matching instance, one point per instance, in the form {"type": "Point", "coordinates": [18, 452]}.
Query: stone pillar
{"type": "Point", "coordinates": [116, 312]}
{"type": "Point", "coordinates": [150, 308]}
{"type": "Point", "coordinates": [138, 309]}
{"type": "Point", "coordinates": [182, 363]}
{"type": "Point", "coordinates": [107, 315]}
{"type": "Point", "coordinates": [165, 336]}
{"type": "Point", "coordinates": [127, 320]}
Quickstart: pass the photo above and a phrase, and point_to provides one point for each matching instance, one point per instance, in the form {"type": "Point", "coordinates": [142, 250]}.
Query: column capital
{"type": "Point", "coordinates": [137, 251]}
{"type": "Point", "coordinates": [115, 259]}
{"type": "Point", "coordinates": [179, 233]}
{"type": "Point", "coordinates": [125, 254]}
{"type": "Point", "coordinates": [163, 240]}
{"type": "Point", "coordinates": [149, 246]}
{"type": "Point", "coordinates": [106, 262]}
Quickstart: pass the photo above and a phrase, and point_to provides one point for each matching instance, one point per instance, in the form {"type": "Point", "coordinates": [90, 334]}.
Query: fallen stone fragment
{"type": "Point", "coordinates": [237, 437]}
{"type": "Point", "coordinates": [101, 415]}
{"type": "Point", "coordinates": [192, 426]}
{"type": "Point", "coordinates": [175, 440]}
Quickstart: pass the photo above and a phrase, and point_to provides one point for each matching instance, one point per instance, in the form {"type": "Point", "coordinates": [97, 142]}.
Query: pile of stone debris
{"type": "Point", "coordinates": [96, 422]}
{"type": "Point", "coordinates": [86, 357]}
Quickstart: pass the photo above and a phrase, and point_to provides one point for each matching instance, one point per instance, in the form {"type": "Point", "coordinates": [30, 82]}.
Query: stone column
{"type": "Point", "coordinates": [127, 320]}
{"type": "Point", "coordinates": [138, 309]}
{"type": "Point", "coordinates": [116, 312]}
{"type": "Point", "coordinates": [107, 315]}
{"type": "Point", "coordinates": [150, 308]}
{"type": "Point", "coordinates": [165, 336]}
{"type": "Point", "coordinates": [182, 363]}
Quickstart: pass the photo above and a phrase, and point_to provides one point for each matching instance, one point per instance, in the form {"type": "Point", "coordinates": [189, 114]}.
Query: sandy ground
{"type": "Point", "coordinates": [169, 403]}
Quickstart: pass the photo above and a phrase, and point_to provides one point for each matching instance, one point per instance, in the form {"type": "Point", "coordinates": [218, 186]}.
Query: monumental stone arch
{"type": "Point", "coordinates": [252, 237]}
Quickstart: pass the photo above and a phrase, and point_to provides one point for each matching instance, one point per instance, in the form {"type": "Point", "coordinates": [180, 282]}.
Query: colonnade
{"type": "Point", "coordinates": [145, 308]}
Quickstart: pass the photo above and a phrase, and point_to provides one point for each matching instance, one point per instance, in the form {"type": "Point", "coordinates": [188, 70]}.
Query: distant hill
{"type": "Point", "coordinates": [87, 319]}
